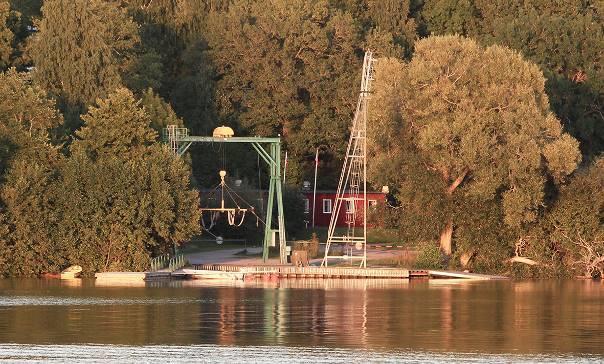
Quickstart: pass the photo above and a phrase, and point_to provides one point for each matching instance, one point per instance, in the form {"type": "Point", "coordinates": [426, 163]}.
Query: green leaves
{"type": "Point", "coordinates": [572, 231]}
{"type": "Point", "coordinates": [118, 127]}
{"type": "Point", "coordinates": [81, 49]}
{"type": "Point", "coordinates": [28, 166]}
{"type": "Point", "coordinates": [289, 69]}
{"type": "Point", "coordinates": [159, 111]}
{"type": "Point", "coordinates": [6, 36]}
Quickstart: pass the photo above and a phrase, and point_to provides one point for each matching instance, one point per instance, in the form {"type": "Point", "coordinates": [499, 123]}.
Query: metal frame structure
{"type": "Point", "coordinates": [352, 187]}
{"type": "Point", "coordinates": [179, 142]}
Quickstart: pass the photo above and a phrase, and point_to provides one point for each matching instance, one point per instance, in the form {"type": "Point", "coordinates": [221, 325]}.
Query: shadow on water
{"type": "Point", "coordinates": [557, 319]}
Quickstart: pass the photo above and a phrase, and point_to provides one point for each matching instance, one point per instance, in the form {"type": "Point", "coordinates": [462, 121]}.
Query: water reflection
{"type": "Point", "coordinates": [383, 315]}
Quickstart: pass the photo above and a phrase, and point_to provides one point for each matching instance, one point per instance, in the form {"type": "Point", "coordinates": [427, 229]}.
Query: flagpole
{"type": "Point", "coordinates": [314, 193]}
{"type": "Point", "coordinates": [284, 167]}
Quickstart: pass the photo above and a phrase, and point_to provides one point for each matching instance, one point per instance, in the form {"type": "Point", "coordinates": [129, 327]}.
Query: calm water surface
{"type": "Point", "coordinates": [302, 320]}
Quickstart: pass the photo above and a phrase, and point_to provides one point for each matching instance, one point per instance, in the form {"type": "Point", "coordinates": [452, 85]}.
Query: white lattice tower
{"type": "Point", "coordinates": [352, 187]}
{"type": "Point", "coordinates": [172, 138]}
{"type": "Point", "coordinates": [173, 135]}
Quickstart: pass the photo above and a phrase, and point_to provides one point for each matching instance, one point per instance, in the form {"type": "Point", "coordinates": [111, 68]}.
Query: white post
{"type": "Point", "coordinates": [314, 193]}
{"type": "Point", "coordinates": [285, 167]}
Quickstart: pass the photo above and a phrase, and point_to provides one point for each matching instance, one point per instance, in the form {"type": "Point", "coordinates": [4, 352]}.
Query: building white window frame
{"type": "Point", "coordinates": [349, 206]}
{"type": "Point", "coordinates": [372, 203]}
{"type": "Point", "coordinates": [326, 205]}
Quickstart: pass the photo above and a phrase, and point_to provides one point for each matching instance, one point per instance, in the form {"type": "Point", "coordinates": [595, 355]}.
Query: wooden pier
{"type": "Point", "coordinates": [231, 271]}
{"type": "Point", "coordinates": [132, 276]}
{"type": "Point", "coordinates": [286, 271]}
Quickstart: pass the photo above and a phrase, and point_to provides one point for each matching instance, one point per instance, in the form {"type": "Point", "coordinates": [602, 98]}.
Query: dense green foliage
{"type": "Point", "coordinates": [480, 138]}
{"type": "Point", "coordinates": [572, 232]}
{"type": "Point", "coordinates": [6, 35]}
{"type": "Point", "coordinates": [117, 199]}
{"type": "Point", "coordinates": [28, 164]}
{"type": "Point", "coordinates": [82, 50]}
{"type": "Point", "coordinates": [565, 38]}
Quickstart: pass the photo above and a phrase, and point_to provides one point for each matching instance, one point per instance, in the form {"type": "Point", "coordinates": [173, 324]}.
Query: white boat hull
{"type": "Point", "coordinates": [211, 274]}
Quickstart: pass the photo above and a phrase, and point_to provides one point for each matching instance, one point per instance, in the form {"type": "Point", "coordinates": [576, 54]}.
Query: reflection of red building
{"type": "Point", "coordinates": [325, 203]}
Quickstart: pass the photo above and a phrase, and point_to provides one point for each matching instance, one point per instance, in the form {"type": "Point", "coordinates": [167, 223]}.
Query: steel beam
{"type": "Point", "coordinates": [272, 158]}
{"type": "Point", "coordinates": [202, 139]}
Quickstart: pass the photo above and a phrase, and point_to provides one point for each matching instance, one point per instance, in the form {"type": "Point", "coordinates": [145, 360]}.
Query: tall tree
{"type": "Point", "coordinates": [28, 164]}
{"type": "Point", "coordinates": [480, 119]}
{"type": "Point", "coordinates": [394, 18]}
{"type": "Point", "coordinates": [125, 198]}
{"type": "Point", "coordinates": [82, 49]}
{"type": "Point", "coordinates": [26, 115]}
{"type": "Point", "coordinates": [6, 36]}
{"type": "Point", "coordinates": [160, 112]}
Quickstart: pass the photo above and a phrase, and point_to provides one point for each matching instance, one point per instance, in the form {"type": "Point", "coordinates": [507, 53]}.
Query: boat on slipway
{"type": "Point", "coordinates": [208, 274]}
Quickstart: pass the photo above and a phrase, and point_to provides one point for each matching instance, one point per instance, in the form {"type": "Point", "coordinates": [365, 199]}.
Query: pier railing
{"type": "Point", "coordinates": [168, 262]}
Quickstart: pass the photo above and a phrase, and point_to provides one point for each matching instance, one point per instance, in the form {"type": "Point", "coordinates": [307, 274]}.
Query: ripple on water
{"type": "Point", "coordinates": [8, 301]}
{"type": "Point", "coordinates": [214, 353]}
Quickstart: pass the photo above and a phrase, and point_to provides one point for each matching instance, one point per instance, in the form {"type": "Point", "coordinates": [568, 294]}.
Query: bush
{"type": "Point", "coordinates": [429, 256]}
{"type": "Point", "coordinates": [311, 246]}
{"type": "Point", "coordinates": [572, 232]}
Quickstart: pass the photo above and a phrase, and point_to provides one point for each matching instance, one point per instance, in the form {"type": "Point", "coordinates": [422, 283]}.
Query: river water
{"type": "Point", "coordinates": [302, 320]}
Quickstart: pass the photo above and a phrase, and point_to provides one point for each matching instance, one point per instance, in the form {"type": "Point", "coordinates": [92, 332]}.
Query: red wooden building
{"type": "Point", "coordinates": [325, 203]}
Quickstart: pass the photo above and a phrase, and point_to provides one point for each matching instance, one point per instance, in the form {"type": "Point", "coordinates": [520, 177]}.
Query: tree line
{"type": "Point", "coordinates": [487, 120]}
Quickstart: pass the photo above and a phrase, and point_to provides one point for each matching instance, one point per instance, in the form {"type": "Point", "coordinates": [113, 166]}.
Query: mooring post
{"type": "Point", "coordinates": [280, 217]}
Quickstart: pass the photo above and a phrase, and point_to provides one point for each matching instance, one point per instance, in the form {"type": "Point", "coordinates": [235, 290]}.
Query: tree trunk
{"type": "Point", "coordinates": [446, 238]}
{"type": "Point", "coordinates": [466, 258]}
{"type": "Point", "coordinates": [446, 235]}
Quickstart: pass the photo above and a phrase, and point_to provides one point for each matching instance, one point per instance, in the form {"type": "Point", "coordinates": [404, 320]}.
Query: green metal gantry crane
{"type": "Point", "coordinates": [269, 149]}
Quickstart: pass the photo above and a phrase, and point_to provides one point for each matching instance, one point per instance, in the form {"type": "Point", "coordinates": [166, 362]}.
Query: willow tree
{"type": "Point", "coordinates": [565, 38]}
{"type": "Point", "coordinates": [125, 197]}
{"type": "Point", "coordinates": [480, 120]}
{"type": "Point", "coordinates": [82, 48]}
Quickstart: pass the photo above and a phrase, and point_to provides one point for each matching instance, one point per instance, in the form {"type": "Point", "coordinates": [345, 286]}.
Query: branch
{"type": "Point", "coordinates": [458, 181]}
{"type": "Point", "coordinates": [145, 7]}
{"type": "Point", "coordinates": [523, 260]}
{"type": "Point", "coordinates": [498, 108]}
{"type": "Point", "coordinates": [449, 101]}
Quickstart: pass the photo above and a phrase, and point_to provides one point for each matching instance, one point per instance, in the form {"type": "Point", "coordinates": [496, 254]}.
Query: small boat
{"type": "Point", "coordinates": [209, 274]}
{"type": "Point", "coordinates": [71, 272]}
